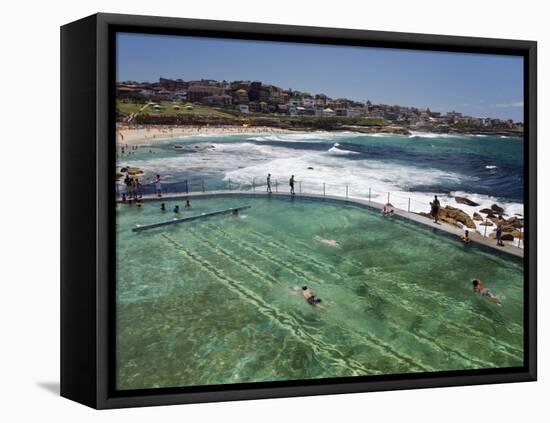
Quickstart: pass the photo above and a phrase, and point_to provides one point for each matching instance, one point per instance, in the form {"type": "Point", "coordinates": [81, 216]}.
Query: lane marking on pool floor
{"type": "Point", "coordinates": [373, 339]}
{"type": "Point", "coordinates": [505, 348]}
{"type": "Point", "coordinates": [284, 320]}
{"type": "Point", "coordinates": [511, 328]}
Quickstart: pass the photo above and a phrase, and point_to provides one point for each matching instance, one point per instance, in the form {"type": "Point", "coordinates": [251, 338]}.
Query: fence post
{"type": "Point", "coordinates": [388, 198]}
{"type": "Point", "coordinates": [409, 207]}
{"type": "Point", "coordinates": [520, 240]}
{"type": "Point", "coordinates": [253, 185]}
{"type": "Point", "coordinates": [276, 186]}
{"type": "Point", "coordinates": [300, 186]}
{"type": "Point", "coordinates": [369, 195]}
{"type": "Point", "coordinates": [324, 195]}
{"type": "Point", "coordinates": [187, 186]}
{"type": "Point", "coordinates": [346, 191]}
{"type": "Point", "coordinates": [202, 183]}
{"type": "Point", "coordinates": [229, 184]}
{"type": "Point", "coordinates": [485, 231]}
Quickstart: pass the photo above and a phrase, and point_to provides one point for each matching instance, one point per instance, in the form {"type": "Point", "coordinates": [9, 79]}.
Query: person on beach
{"type": "Point", "coordinates": [484, 292]}
{"type": "Point", "coordinates": [177, 209]}
{"type": "Point", "coordinates": [500, 243]}
{"type": "Point", "coordinates": [187, 204]}
{"type": "Point", "coordinates": [435, 209]}
{"type": "Point", "coordinates": [162, 207]}
{"type": "Point", "coordinates": [466, 237]}
{"type": "Point", "coordinates": [269, 183]}
{"type": "Point", "coordinates": [310, 297]}
{"type": "Point", "coordinates": [291, 183]}
{"type": "Point", "coordinates": [158, 187]}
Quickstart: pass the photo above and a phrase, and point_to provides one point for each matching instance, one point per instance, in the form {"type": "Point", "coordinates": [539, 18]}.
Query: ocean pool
{"type": "Point", "coordinates": [213, 301]}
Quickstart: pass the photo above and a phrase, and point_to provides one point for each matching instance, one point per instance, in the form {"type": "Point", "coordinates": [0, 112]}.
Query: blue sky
{"type": "Point", "coordinates": [475, 84]}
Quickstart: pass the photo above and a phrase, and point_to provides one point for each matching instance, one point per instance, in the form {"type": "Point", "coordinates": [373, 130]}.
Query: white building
{"type": "Point", "coordinates": [243, 108]}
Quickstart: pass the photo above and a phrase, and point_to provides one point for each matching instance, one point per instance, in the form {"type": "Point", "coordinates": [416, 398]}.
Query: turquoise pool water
{"type": "Point", "coordinates": [213, 301]}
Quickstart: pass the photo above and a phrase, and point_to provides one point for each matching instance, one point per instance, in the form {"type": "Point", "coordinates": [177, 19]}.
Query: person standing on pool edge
{"type": "Point", "coordinates": [158, 187]}
{"type": "Point", "coordinates": [499, 232]}
{"type": "Point", "coordinates": [435, 209]}
{"type": "Point", "coordinates": [291, 183]}
{"type": "Point", "coordinates": [269, 183]}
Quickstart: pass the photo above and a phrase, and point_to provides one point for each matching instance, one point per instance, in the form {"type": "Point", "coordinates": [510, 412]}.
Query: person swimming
{"type": "Point", "coordinates": [310, 297]}
{"type": "Point", "coordinates": [484, 292]}
{"type": "Point", "coordinates": [187, 204]}
{"type": "Point", "coordinates": [162, 207]}
{"type": "Point", "coordinates": [329, 242]}
{"type": "Point", "coordinates": [177, 209]}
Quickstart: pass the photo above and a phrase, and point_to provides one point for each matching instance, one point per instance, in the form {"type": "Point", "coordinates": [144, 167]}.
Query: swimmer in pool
{"type": "Point", "coordinates": [484, 292]}
{"type": "Point", "coordinates": [329, 242]}
{"type": "Point", "coordinates": [310, 296]}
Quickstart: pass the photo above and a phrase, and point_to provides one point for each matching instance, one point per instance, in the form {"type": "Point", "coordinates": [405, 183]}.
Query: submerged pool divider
{"type": "Point", "coordinates": [233, 210]}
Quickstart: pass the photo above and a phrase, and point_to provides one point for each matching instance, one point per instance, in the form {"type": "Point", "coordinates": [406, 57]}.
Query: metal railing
{"type": "Point", "coordinates": [406, 204]}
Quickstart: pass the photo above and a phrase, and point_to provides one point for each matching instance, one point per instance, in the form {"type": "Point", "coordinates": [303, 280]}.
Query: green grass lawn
{"type": "Point", "coordinates": [168, 109]}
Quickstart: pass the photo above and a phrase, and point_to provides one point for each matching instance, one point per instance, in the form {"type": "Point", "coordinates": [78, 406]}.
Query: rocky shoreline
{"type": "Point", "coordinates": [511, 227]}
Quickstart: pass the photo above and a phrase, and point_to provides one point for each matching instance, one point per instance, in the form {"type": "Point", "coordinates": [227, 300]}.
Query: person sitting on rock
{"type": "Point", "coordinates": [466, 237]}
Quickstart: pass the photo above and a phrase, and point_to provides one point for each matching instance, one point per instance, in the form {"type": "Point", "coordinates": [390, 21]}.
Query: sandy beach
{"type": "Point", "coordinates": [148, 135]}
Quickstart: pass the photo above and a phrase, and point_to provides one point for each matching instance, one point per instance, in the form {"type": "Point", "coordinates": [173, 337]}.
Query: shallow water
{"type": "Point", "coordinates": [214, 302]}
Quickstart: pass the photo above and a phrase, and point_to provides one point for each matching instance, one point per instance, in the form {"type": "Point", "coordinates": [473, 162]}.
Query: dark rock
{"type": "Point", "coordinates": [477, 216]}
{"type": "Point", "coordinates": [486, 224]}
{"type": "Point", "coordinates": [507, 236]}
{"type": "Point", "coordinates": [464, 200]}
{"type": "Point", "coordinates": [310, 168]}
{"type": "Point", "coordinates": [486, 211]}
{"type": "Point", "coordinates": [514, 222]}
{"type": "Point", "coordinates": [497, 209]}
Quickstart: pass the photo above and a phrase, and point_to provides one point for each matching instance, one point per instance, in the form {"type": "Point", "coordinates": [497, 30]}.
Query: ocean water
{"type": "Point", "coordinates": [486, 169]}
{"type": "Point", "coordinates": [217, 301]}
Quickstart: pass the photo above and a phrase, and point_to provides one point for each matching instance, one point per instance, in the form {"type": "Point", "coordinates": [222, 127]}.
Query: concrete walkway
{"type": "Point", "coordinates": [403, 214]}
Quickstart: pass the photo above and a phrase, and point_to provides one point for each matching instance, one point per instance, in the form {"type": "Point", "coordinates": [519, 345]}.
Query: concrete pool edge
{"type": "Point", "coordinates": [479, 240]}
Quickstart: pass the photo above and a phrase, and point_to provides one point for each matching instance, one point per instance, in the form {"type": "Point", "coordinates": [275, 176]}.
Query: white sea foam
{"type": "Point", "coordinates": [305, 136]}
{"type": "Point", "coordinates": [415, 134]}
{"type": "Point", "coordinates": [339, 151]}
{"type": "Point", "coordinates": [491, 167]}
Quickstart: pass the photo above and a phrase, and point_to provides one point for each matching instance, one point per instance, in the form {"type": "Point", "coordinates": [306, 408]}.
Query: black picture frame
{"type": "Point", "coordinates": [87, 235]}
